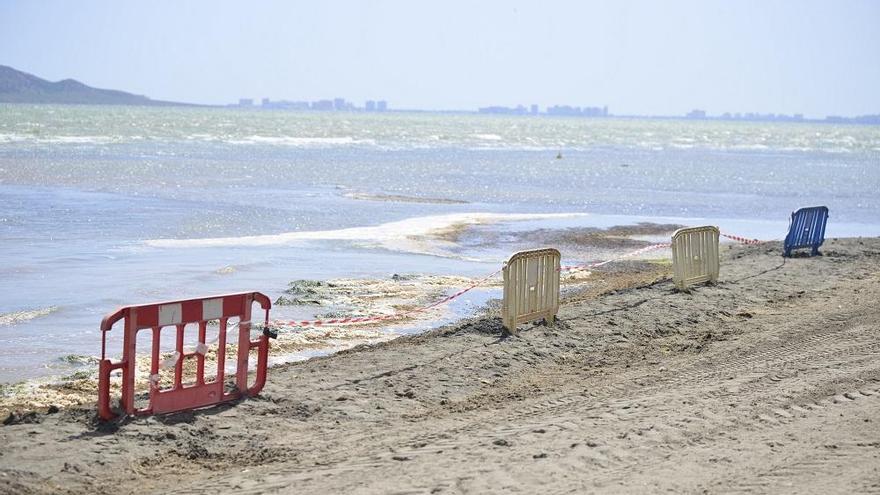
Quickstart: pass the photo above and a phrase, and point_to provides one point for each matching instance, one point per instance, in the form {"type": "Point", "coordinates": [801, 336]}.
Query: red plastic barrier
{"type": "Point", "coordinates": [180, 396]}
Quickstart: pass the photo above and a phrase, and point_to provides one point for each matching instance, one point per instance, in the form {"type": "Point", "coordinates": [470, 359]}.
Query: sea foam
{"type": "Point", "coordinates": [302, 142]}
{"type": "Point", "coordinates": [410, 235]}
{"type": "Point", "coordinates": [26, 315]}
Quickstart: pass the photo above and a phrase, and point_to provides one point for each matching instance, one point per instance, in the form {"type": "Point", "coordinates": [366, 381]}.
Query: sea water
{"type": "Point", "coordinates": [108, 206]}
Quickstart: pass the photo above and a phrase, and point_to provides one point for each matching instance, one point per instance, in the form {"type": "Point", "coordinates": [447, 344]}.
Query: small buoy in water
{"type": "Point", "coordinates": [559, 156]}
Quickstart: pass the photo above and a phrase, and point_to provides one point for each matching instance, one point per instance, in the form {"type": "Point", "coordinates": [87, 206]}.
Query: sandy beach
{"type": "Point", "coordinates": [300, 233]}
{"type": "Point", "coordinates": [767, 382]}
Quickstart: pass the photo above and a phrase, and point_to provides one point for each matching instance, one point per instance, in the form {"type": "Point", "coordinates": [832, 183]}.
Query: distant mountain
{"type": "Point", "coordinates": [21, 87]}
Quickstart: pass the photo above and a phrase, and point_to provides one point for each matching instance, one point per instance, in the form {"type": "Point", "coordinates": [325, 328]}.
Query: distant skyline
{"type": "Point", "coordinates": [637, 57]}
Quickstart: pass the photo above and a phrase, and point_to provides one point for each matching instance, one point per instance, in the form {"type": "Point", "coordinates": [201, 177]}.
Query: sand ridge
{"type": "Point", "coordinates": [766, 382]}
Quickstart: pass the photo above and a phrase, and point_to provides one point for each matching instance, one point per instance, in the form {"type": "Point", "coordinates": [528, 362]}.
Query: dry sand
{"type": "Point", "coordinates": [768, 382]}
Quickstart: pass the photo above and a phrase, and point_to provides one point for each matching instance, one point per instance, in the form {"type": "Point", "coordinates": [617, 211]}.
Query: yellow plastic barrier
{"type": "Point", "coordinates": [695, 256]}
{"type": "Point", "coordinates": [531, 287]}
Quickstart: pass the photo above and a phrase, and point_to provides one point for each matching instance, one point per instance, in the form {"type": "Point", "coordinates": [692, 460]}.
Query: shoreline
{"type": "Point", "coordinates": [297, 344]}
{"type": "Point", "coordinates": [767, 381]}
{"type": "Point", "coordinates": [420, 283]}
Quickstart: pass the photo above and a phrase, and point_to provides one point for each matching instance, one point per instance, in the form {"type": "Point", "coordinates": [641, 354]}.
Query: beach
{"type": "Point", "coordinates": [765, 382]}
{"type": "Point", "coordinates": [439, 248]}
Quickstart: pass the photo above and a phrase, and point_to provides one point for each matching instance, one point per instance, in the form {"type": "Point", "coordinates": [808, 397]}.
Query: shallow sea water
{"type": "Point", "coordinates": [107, 206]}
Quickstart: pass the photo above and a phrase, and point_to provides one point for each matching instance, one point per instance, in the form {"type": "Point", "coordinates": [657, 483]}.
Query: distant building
{"type": "Point", "coordinates": [564, 110]}
{"type": "Point", "coordinates": [381, 106]}
{"type": "Point", "coordinates": [339, 104]}
{"type": "Point", "coordinates": [323, 105]}
{"type": "Point", "coordinates": [767, 117]}
{"type": "Point", "coordinates": [370, 106]}
{"type": "Point", "coordinates": [518, 110]}
{"type": "Point", "coordinates": [534, 110]}
{"type": "Point", "coordinates": [570, 111]}
{"type": "Point", "coordinates": [285, 105]}
{"type": "Point", "coordinates": [866, 119]}
{"type": "Point", "coordinates": [593, 112]}
{"type": "Point", "coordinates": [696, 114]}
{"type": "Point", "coordinates": [246, 102]}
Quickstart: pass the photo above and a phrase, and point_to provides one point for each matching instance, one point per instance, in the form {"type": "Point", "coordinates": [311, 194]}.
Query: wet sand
{"type": "Point", "coordinates": [767, 382]}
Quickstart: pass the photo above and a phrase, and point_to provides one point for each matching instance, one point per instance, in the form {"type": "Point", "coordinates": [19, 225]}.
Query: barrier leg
{"type": "Point", "coordinates": [104, 410]}
{"type": "Point", "coordinates": [262, 365]}
{"type": "Point", "coordinates": [244, 348]}
{"type": "Point", "coordinates": [129, 358]}
{"type": "Point", "coordinates": [510, 327]}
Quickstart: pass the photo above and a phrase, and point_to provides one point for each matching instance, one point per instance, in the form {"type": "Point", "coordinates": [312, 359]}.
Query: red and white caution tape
{"type": "Point", "coordinates": [630, 254]}
{"type": "Point", "coordinates": [378, 318]}
{"type": "Point", "coordinates": [406, 314]}
{"type": "Point", "coordinates": [741, 239]}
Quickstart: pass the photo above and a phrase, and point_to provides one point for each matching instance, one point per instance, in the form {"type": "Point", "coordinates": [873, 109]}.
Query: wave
{"type": "Point", "coordinates": [419, 234]}
{"type": "Point", "coordinates": [78, 139]}
{"type": "Point", "coordinates": [475, 142]}
{"type": "Point", "coordinates": [399, 198]}
{"type": "Point", "coordinates": [17, 317]}
{"type": "Point", "coordinates": [202, 137]}
{"type": "Point", "coordinates": [13, 138]}
{"type": "Point", "coordinates": [301, 141]}
{"type": "Point", "coordinates": [39, 139]}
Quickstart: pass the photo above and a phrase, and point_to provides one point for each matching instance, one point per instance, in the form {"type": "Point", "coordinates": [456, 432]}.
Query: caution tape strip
{"type": "Point", "coordinates": [637, 252]}
{"type": "Point", "coordinates": [741, 239]}
{"type": "Point", "coordinates": [405, 314]}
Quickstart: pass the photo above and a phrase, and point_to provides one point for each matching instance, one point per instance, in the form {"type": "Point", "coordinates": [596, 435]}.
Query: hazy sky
{"type": "Point", "coordinates": [637, 57]}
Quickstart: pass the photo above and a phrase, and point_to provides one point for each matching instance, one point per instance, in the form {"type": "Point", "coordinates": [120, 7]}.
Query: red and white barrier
{"type": "Point", "coordinates": [209, 386]}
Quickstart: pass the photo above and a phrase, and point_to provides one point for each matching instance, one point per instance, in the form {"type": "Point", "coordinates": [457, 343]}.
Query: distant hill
{"type": "Point", "coordinates": [21, 87]}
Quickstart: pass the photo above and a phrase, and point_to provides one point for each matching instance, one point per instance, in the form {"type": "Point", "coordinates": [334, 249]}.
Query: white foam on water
{"type": "Point", "coordinates": [488, 137]}
{"type": "Point", "coordinates": [26, 315]}
{"type": "Point", "coordinates": [76, 140]}
{"type": "Point", "coordinates": [13, 138]}
{"type": "Point", "coordinates": [301, 141]}
{"type": "Point", "coordinates": [410, 235]}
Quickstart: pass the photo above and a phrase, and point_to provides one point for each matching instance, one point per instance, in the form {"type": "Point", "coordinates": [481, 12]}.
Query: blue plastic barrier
{"type": "Point", "coordinates": [807, 229]}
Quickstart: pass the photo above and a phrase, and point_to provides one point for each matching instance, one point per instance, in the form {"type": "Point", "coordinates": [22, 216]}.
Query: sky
{"type": "Point", "coordinates": [638, 57]}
